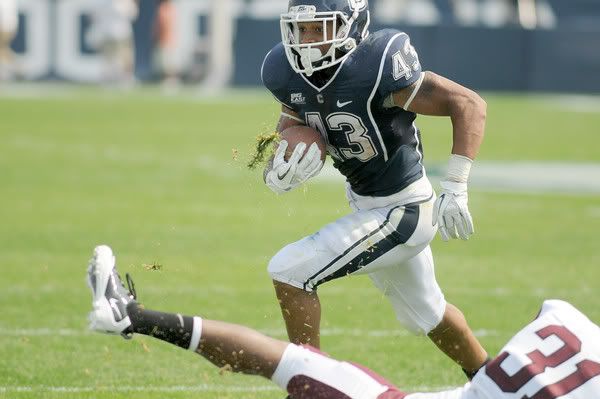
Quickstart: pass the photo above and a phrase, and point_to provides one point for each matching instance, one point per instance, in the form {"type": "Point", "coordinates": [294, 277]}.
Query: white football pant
{"type": "Point", "coordinates": [390, 243]}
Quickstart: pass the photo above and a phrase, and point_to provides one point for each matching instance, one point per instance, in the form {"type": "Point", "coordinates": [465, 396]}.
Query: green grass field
{"type": "Point", "coordinates": [163, 181]}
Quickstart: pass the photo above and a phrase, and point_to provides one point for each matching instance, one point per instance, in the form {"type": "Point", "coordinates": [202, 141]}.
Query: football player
{"type": "Point", "coordinates": [557, 355]}
{"type": "Point", "coordinates": [363, 92]}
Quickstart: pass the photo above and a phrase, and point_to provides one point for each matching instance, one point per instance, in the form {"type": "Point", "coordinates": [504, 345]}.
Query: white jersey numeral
{"type": "Point", "coordinates": [401, 68]}
{"type": "Point", "coordinates": [539, 362]}
{"type": "Point", "coordinates": [359, 144]}
{"type": "Point", "coordinates": [314, 120]}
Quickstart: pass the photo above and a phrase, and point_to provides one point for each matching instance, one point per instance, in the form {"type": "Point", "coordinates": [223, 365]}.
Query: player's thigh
{"type": "Point", "coordinates": [303, 372]}
{"type": "Point", "coordinates": [356, 243]}
{"type": "Point", "coordinates": [413, 231]}
{"type": "Point", "coordinates": [413, 291]}
{"type": "Point", "coordinates": [305, 262]}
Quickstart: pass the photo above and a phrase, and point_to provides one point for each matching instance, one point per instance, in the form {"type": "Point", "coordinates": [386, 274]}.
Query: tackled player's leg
{"type": "Point", "coordinates": [303, 372]}
{"type": "Point", "coordinates": [115, 310]}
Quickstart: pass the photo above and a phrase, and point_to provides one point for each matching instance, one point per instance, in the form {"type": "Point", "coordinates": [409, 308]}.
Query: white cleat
{"type": "Point", "coordinates": [110, 297]}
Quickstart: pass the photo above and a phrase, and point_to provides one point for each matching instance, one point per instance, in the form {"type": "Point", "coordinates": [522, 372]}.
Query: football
{"type": "Point", "coordinates": [302, 134]}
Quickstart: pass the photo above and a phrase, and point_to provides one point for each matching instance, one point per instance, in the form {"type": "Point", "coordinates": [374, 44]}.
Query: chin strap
{"type": "Point", "coordinates": [131, 286]}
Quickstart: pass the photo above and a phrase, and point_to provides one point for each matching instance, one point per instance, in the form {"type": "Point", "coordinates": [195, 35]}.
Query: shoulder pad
{"type": "Point", "coordinates": [276, 71]}
{"type": "Point", "coordinates": [399, 62]}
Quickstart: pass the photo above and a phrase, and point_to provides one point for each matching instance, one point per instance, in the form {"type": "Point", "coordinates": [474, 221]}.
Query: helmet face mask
{"type": "Point", "coordinates": [342, 30]}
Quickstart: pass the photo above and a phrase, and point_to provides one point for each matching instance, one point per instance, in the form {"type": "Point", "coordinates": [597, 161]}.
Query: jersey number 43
{"type": "Point", "coordinates": [358, 144]}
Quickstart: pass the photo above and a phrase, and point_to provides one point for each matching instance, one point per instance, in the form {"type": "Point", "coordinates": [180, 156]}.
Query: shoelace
{"type": "Point", "coordinates": [131, 285]}
{"type": "Point", "coordinates": [128, 332]}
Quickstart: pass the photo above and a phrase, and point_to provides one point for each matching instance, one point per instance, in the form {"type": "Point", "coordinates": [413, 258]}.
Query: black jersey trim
{"type": "Point", "coordinates": [418, 145]}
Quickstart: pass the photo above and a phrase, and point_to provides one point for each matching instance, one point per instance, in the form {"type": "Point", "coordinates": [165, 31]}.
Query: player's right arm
{"type": "Point", "coordinates": [288, 118]}
{"type": "Point", "coordinates": [283, 175]}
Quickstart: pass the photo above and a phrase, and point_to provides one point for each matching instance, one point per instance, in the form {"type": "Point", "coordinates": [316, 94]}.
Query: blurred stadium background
{"type": "Point", "coordinates": [516, 45]}
{"type": "Point", "coordinates": [141, 143]}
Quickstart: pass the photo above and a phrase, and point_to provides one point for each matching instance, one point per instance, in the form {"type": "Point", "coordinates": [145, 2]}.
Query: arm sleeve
{"type": "Point", "coordinates": [401, 66]}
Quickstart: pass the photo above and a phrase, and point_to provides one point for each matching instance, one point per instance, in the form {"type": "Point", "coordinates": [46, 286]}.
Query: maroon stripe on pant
{"type": "Point", "coordinates": [303, 387]}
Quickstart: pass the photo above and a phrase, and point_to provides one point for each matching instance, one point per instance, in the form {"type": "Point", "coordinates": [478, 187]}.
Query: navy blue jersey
{"type": "Point", "coordinates": [377, 147]}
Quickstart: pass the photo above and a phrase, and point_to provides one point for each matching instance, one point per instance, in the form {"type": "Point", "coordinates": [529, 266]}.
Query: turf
{"type": "Point", "coordinates": [163, 181]}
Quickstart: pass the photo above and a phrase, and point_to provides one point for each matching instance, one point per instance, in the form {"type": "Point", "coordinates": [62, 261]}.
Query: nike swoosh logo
{"type": "Point", "coordinates": [281, 177]}
{"type": "Point", "coordinates": [340, 105]}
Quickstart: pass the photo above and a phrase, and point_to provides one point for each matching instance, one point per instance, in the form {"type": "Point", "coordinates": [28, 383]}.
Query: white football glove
{"type": "Point", "coordinates": [451, 211]}
{"type": "Point", "coordinates": [285, 176]}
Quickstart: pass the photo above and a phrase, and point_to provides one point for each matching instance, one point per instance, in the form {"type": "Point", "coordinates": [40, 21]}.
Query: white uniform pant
{"type": "Point", "coordinates": [306, 373]}
{"type": "Point", "coordinates": [389, 243]}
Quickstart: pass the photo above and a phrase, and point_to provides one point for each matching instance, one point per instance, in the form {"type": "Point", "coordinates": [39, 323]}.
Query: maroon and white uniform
{"type": "Point", "coordinates": [555, 356]}
{"type": "Point", "coordinates": [307, 373]}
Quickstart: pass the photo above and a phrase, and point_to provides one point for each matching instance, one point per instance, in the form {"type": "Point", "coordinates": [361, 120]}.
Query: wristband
{"type": "Point", "coordinates": [459, 167]}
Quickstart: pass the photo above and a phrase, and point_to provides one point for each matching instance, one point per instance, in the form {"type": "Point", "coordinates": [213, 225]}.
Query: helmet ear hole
{"type": "Point", "coordinates": [350, 44]}
{"type": "Point", "coordinates": [339, 24]}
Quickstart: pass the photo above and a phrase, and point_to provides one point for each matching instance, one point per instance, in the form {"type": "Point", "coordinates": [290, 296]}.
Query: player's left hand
{"type": "Point", "coordinates": [451, 211]}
